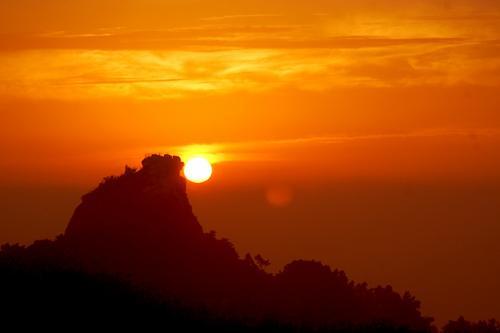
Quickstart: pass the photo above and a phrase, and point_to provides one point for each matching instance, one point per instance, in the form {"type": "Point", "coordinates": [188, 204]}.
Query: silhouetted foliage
{"type": "Point", "coordinates": [261, 262]}
{"type": "Point", "coordinates": [463, 326]}
{"type": "Point", "coordinates": [135, 236]}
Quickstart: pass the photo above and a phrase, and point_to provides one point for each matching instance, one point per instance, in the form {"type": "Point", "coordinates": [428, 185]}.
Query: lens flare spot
{"type": "Point", "coordinates": [279, 196]}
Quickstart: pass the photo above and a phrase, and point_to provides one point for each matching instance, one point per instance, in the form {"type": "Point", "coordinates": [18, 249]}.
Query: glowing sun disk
{"type": "Point", "coordinates": [198, 170]}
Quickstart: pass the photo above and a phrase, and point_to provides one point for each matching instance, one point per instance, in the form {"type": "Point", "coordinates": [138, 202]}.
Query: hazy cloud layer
{"type": "Point", "coordinates": [155, 74]}
{"type": "Point", "coordinates": [174, 52]}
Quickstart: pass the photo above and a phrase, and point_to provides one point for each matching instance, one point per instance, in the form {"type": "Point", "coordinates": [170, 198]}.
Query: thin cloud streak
{"type": "Point", "coordinates": [85, 81]}
{"type": "Point", "coordinates": [252, 150]}
{"type": "Point", "coordinates": [228, 37]}
{"type": "Point", "coordinates": [239, 16]}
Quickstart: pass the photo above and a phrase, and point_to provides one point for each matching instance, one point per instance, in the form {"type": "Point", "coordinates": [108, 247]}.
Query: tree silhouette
{"type": "Point", "coordinates": [463, 326]}
{"type": "Point", "coordinates": [261, 262]}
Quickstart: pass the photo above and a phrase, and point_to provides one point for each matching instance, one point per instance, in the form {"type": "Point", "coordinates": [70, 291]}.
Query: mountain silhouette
{"type": "Point", "coordinates": [140, 225]}
{"type": "Point", "coordinates": [139, 228]}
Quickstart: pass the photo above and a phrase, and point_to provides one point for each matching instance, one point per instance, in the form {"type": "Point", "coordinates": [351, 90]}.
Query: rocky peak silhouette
{"type": "Point", "coordinates": [138, 206]}
{"type": "Point", "coordinates": [140, 225]}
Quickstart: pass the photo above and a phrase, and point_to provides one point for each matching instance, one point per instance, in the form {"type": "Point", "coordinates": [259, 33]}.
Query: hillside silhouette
{"type": "Point", "coordinates": [134, 249]}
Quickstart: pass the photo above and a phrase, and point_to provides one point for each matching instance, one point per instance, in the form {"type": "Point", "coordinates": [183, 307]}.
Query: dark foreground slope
{"type": "Point", "coordinates": [37, 295]}
{"type": "Point", "coordinates": [134, 249]}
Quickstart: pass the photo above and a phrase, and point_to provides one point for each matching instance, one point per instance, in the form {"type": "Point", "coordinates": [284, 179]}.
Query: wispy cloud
{"type": "Point", "coordinates": [211, 37]}
{"type": "Point", "coordinates": [309, 65]}
{"type": "Point", "coordinates": [257, 51]}
{"type": "Point", "coordinates": [239, 16]}
{"type": "Point", "coordinates": [270, 149]}
{"type": "Point", "coordinates": [89, 80]}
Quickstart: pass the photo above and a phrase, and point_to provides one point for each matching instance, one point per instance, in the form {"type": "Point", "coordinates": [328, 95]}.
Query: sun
{"type": "Point", "coordinates": [198, 170]}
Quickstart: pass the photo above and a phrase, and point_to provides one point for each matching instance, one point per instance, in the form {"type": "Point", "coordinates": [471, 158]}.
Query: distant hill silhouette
{"type": "Point", "coordinates": [139, 228]}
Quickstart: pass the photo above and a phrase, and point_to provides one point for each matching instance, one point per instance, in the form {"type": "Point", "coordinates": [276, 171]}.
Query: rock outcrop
{"type": "Point", "coordinates": [140, 226]}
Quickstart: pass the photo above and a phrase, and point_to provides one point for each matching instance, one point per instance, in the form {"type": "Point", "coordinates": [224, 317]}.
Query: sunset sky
{"type": "Point", "coordinates": [365, 134]}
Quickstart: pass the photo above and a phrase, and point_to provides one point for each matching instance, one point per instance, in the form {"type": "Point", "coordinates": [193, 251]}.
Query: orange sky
{"type": "Point", "coordinates": [379, 120]}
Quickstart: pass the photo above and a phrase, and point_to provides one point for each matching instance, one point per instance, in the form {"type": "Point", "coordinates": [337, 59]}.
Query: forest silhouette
{"type": "Point", "coordinates": [134, 253]}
